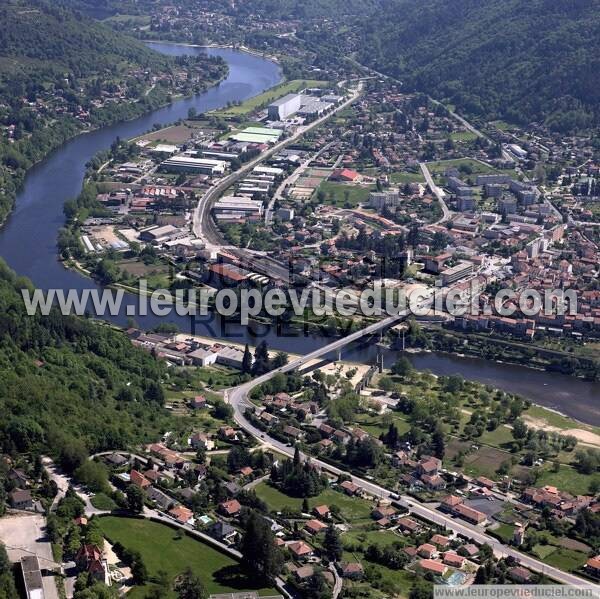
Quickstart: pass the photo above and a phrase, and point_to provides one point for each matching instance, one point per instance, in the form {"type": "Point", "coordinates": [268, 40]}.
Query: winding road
{"type": "Point", "coordinates": [238, 398]}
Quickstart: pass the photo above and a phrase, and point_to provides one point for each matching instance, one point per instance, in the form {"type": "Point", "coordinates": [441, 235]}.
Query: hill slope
{"type": "Point", "coordinates": [71, 386]}
{"type": "Point", "coordinates": [61, 72]}
{"type": "Point", "coordinates": [523, 60]}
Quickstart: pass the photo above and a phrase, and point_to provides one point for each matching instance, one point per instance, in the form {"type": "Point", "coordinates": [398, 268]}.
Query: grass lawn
{"type": "Point", "coordinates": [543, 551]}
{"type": "Point", "coordinates": [161, 551]}
{"type": "Point", "coordinates": [566, 559]}
{"type": "Point", "coordinates": [504, 532]}
{"type": "Point", "coordinates": [405, 177]}
{"type": "Point", "coordinates": [367, 537]}
{"type": "Point", "coordinates": [335, 193]}
{"type": "Point", "coordinates": [288, 87]}
{"type": "Point", "coordinates": [476, 166]}
{"type": "Point", "coordinates": [567, 479]}
{"type": "Point", "coordinates": [463, 136]}
{"type": "Point", "coordinates": [485, 461]}
{"type": "Point", "coordinates": [500, 437]}
{"type": "Point", "coordinates": [351, 508]}
{"type": "Point", "coordinates": [102, 501]}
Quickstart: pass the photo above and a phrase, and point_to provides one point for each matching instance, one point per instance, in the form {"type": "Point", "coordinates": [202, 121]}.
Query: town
{"type": "Point", "coordinates": [150, 460]}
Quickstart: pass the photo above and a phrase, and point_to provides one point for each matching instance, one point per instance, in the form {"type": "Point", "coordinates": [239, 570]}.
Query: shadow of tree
{"type": "Point", "coordinates": [236, 577]}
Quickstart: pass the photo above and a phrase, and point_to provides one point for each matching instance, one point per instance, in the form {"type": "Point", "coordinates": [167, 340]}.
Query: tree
{"type": "Point", "coordinates": [190, 586]}
{"type": "Point", "coordinates": [247, 360]}
{"type": "Point", "coordinates": [402, 366]}
{"type": "Point", "coordinates": [333, 544]}
{"type": "Point", "coordinates": [259, 553]}
{"type": "Point", "coordinates": [135, 499]}
{"type": "Point", "coordinates": [519, 429]}
{"type": "Point", "coordinates": [438, 445]}
{"type": "Point", "coordinates": [139, 570]}
{"type": "Point", "coordinates": [261, 359]}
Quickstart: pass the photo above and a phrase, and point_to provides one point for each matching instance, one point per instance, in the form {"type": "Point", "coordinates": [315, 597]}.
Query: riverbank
{"type": "Point", "coordinates": [59, 141]}
{"type": "Point", "coordinates": [245, 49]}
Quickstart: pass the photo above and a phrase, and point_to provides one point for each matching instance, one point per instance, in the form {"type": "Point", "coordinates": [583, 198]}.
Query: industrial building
{"type": "Point", "coordinates": [237, 207]}
{"type": "Point", "coordinates": [257, 135]}
{"type": "Point", "coordinates": [284, 107]}
{"type": "Point", "coordinates": [186, 164]}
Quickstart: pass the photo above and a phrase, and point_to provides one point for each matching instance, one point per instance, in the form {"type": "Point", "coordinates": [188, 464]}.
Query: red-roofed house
{"type": "Point", "coordinates": [427, 550]}
{"type": "Point", "coordinates": [230, 508]}
{"type": "Point", "coordinates": [345, 174]}
{"type": "Point", "coordinates": [182, 514]}
{"type": "Point", "coordinates": [301, 550]}
{"type": "Point", "coordinates": [453, 559]}
{"type": "Point", "coordinates": [314, 526]}
{"type": "Point", "coordinates": [429, 565]}
{"type": "Point", "coordinates": [139, 480]}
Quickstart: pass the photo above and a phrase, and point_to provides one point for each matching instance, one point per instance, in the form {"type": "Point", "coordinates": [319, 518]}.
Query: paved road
{"type": "Point", "coordinates": [238, 398]}
{"type": "Point", "coordinates": [292, 179]}
{"type": "Point", "coordinates": [439, 194]}
{"type": "Point", "coordinates": [203, 226]}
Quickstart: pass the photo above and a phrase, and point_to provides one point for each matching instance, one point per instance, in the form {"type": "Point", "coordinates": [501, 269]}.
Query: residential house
{"type": "Point", "coordinates": [468, 513]}
{"type": "Point", "coordinates": [350, 488]}
{"type": "Point", "coordinates": [301, 550]}
{"type": "Point", "coordinates": [440, 541]}
{"type": "Point", "coordinates": [198, 402]}
{"type": "Point", "coordinates": [592, 566]}
{"type": "Point", "coordinates": [454, 560]}
{"type": "Point", "coordinates": [352, 570]}
{"type": "Point", "coordinates": [162, 500]}
{"type": "Point", "coordinates": [230, 508]}
{"type": "Point", "coordinates": [224, 532]}
{"type": "Point", "coordinates": [433, 566]}
{"type": "Point", "coordinates": [201, 440]}
{"type": "Point", "coordinates": [408, 525]}
{"type": "Point", "coordinates": [182, 514]}
{"type": "Point", "coordinates": [427, 550]}
{"type": "Point", "coordinates": [314, 527]}
{"type": "Point", "coordinates": [520, 574]}
{"type": "Point", "coordinates": [21, 499]}
{"type": "Point", "coordinates": [89, 558]}
{"type": "Point", "coordinates": [139, 480]}
{"type": "Point", "coordinates": [18, 478]}
{"type": "Point", "coordinates": [383, 512]}
{"type": "Point", "coordinates": [321, 511]}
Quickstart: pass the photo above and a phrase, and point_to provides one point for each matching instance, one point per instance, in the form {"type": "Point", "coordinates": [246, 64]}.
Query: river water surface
{"type": "Point", "coordinates": [28, 244]}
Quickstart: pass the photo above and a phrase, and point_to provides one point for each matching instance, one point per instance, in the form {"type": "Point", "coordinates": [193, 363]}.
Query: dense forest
{"type": "Point", "coordinates": [518, 60]}
{"type": "Point", "coordinates": [71, 386]}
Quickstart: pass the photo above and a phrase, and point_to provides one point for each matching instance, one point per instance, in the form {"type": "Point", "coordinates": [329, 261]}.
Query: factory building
{"type": "Point", "coordinates": [237, 207]}
{"type": "Point", "coordinates": [186, 164]}
{"type": "Point", "coordinates": [284, 107]}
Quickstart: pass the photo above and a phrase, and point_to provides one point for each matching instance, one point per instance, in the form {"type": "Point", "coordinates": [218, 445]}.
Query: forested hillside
{"type": "Point", "coordinates": [61, 72]}
{"type": "Point", "coordinates": [71, 386]}
{"type": "Point", "coordinates": [521, 60]}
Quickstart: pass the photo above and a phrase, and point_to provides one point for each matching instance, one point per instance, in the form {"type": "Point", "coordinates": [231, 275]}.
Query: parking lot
{"type": "Point", "coordinates": [23, 534]}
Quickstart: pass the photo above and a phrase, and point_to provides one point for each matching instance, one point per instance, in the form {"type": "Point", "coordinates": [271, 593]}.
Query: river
{"type": "Point", "coordinates": [28, 244]}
